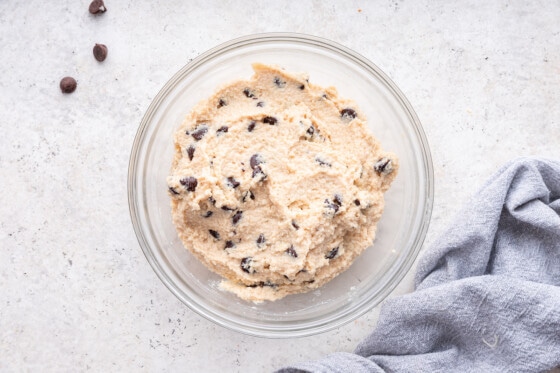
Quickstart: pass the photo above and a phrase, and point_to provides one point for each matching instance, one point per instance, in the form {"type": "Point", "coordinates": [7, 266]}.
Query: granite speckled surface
{"type": "Point", "coordinates": [76, 291]}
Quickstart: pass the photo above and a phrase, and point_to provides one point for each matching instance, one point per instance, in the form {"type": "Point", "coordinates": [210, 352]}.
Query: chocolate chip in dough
{"type": "Point", "coordinates": [279, 82]}
{"type": "Point", "coordinates": [295, 225]}
{"type": "Point", "coordinates": [302, 87]}
{"type": "Point", "coordinates": [248, 194]}
{"type": "Point", "coordinates": [199, 133]}
{"type": "Point", "coordinates": [189, 183]}
{"type": "Point", "coordinates": [227, 208]}
{"type": "Point", "coordinates": [173, 191]}
{"type": "Point", "coordinates": [236, 217]}
{"type": "Point", "coordinates": [260, 104]}
{"type": "Point", "coordinates": [337, 199]}
{"type": "Point", "coordinates": [100, 52]}
{"type": "Point", "coordinates": [221, 103]}
{"type": "Point", "coordinates": [270, 120]}
{"type": "Point", "coordinates": [207, 214]}
{"type": "Point", "coordinates": [97, 6]}
{"type": "Point", "coordinates": [261, 240]}
{"type": "Point", "coordinates": [291, 251]}
{"type": "Point", "coordinates": [332, 207]}
{"type": "Point", "coordinates": [249, 93]}
{"type": "Point", "coordinates": [222, 129]}
{"type": "Point", "coordinates": [190, 152]}
{"type": "Point", "coordinates": [251, 126]}
{"type": "Point", "coordinates": [68, 84]}
{"type": "Point", "coordinates": [383, 166]}
{"type": "Point", "coordinates": [331, 254]}
{"type": "Point", "coordinates": [322, 162]}
{"type": "Point", "coordinates": [357, 202]}
{"type": "Point", "coordinates": [232, 182]}
{"type": "Point", "coordinates": [348, 114]}
{"type": "Point", "coordinates": [214, 234]}
{"type": "Point", "coordinates": [229, 245]}
{"type": "Point", "coordinates": [247, 265]}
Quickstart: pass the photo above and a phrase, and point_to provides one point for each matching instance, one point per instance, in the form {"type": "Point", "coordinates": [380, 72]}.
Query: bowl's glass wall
{"type": "Point", "coordinates": [400, 231]}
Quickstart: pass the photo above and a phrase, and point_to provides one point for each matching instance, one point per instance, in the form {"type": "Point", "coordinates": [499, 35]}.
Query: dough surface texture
{"type": "Point", "coordinates": [277, 184]}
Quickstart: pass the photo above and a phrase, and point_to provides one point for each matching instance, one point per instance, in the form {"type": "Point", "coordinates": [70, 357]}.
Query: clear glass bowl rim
{"type": "Point", "coordinates": [357, 311]}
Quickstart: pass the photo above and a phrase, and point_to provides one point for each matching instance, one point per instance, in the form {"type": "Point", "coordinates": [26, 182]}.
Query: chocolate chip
{"type": "Point", "coordinates": [295, 225]}
{"type": "Point", "coordinates": [212, 200]}
{"type": "Point", "coordinates": [255, 161]}
{"type": "Point", "coordinates": [279, 82]}
{"type": "Point", "coordinates": [357, 202]}
{"type": "Point", "coordinates": [251, 126]}
{"type": "Point", "coordinates": [214, 234]}
{"type": "Point", "coordinates": [348, 114]}
{"type": "Point", "coordinates": [222, 129]}
{"type": "Point", "coordinates": [302, 87]}
{"type": "Point", "coordinates": [68, 84]}
{"type": "Point", "coordinates": [261, 240]}
{"type": "Point", "coordinates": [189, 182]}
{"type": "Point", "coordinates": [97, 6]}
{"type": "Point", "coordinates": [291, 251]}
{"type": "Point", "coordinates": [232, 182]}
{"type": "Point", "coordinates": [247, 265]}
{"type": "Point", "coordinates": [322, 162]}
{"type": "Point", "coordinates": [229, 245]}
{"type": "Point", "coordinates": [310, 131]}
{"type": "Point", "coordinates": [248, 194]}
{"type": "Point", "coordinates": [236, 217]}
{"type": "Point", "coordinates": [207, 214]}
{"type": "Point", "coordinates": [325, 96]}
{"type": "Point", "coordinates": [249, 93]}
{"type": "Point", "coordinates": [100, 52]}
{"type": "Point", "coordinates": [332, 206]}
{"type": "Point", "coordinates": [221, 103]}
{"type": "Point", "coordinates": [383, 166]}
{"type": "Point", "coordinates": [331, 254]}
{"type": "Point", "coordinates": [190, 152]}
{"type": "Point", "coordinates": [261, 284]}
{"type": "Point", "coordinates": [337, 199]}
{"type": "Point", "coordinates": [260, 104]}
{"type": "Point", "coordinates": [270, 120]}
{"type": "Point", "coordinates": [227, 208]}
{"type": "Point", "coordinates": [199, 133]}
{"type": "Point", "coordinates": [173, 191]}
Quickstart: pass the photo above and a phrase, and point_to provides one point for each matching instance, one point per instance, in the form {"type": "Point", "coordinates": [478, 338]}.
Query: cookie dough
{"type": "Point", "coordinates": [277, 184]}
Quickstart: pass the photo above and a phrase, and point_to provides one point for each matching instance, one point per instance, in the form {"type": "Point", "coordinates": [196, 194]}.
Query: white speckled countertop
{"type": "Point", "coordinates": [76, 291]}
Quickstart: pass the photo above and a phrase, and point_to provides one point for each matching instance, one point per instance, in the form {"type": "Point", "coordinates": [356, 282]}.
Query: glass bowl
{"type": "Point", "coordinates": [401, 230]}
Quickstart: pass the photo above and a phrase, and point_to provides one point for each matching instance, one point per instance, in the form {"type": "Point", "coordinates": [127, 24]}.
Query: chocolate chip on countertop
{"type": "Point", "coordinates": [236, 217]}
{"type": "Point", "coordinates": [190, 152]}
{"type": "Point", "coordinates": [251, 126]}
{"type": "Point", "coordinates": [383, 166]}
{"type": "Point", "coordinates": [348, 114]}
{"type": "Point", "coordinates": [68, 84]}
{"type": "Point", "coordinates": [247, 265]}
{"type": "Point", "coordinates": [214, 234]}
{"type": "Point", "coordinates": [331, 254]}
{"type": "Point", "coordinates": [199, 133]}
{"type": "Point", "coordinates": [261, 240]}
{"type": "Point", "coordinates": [229, 245]}
{"type": "Point", "coordinates": [189, 182]}
{"type": "Point", "coordinates": [279, 82]}
{"type": "Point", "coordinates": [100, 52]}
{"type": "Point", "coordinates": [270, 120]}
{"type": "Point", "coordinates": [291, 251]}
{"type": "Point", "coordinates": [232, 182]}
{"type": "Point", "coordinates": [222, 129]}
{"type": "Point", "coordinates": [97, 6]}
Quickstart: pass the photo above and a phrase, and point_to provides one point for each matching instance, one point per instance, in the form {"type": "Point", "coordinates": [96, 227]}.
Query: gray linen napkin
{"type": "Point", "coordinates": [487, 295]}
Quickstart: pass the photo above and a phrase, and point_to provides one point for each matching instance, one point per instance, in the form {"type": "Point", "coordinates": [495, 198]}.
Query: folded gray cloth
{"type": "Point", "coordinates": [487, 295]}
